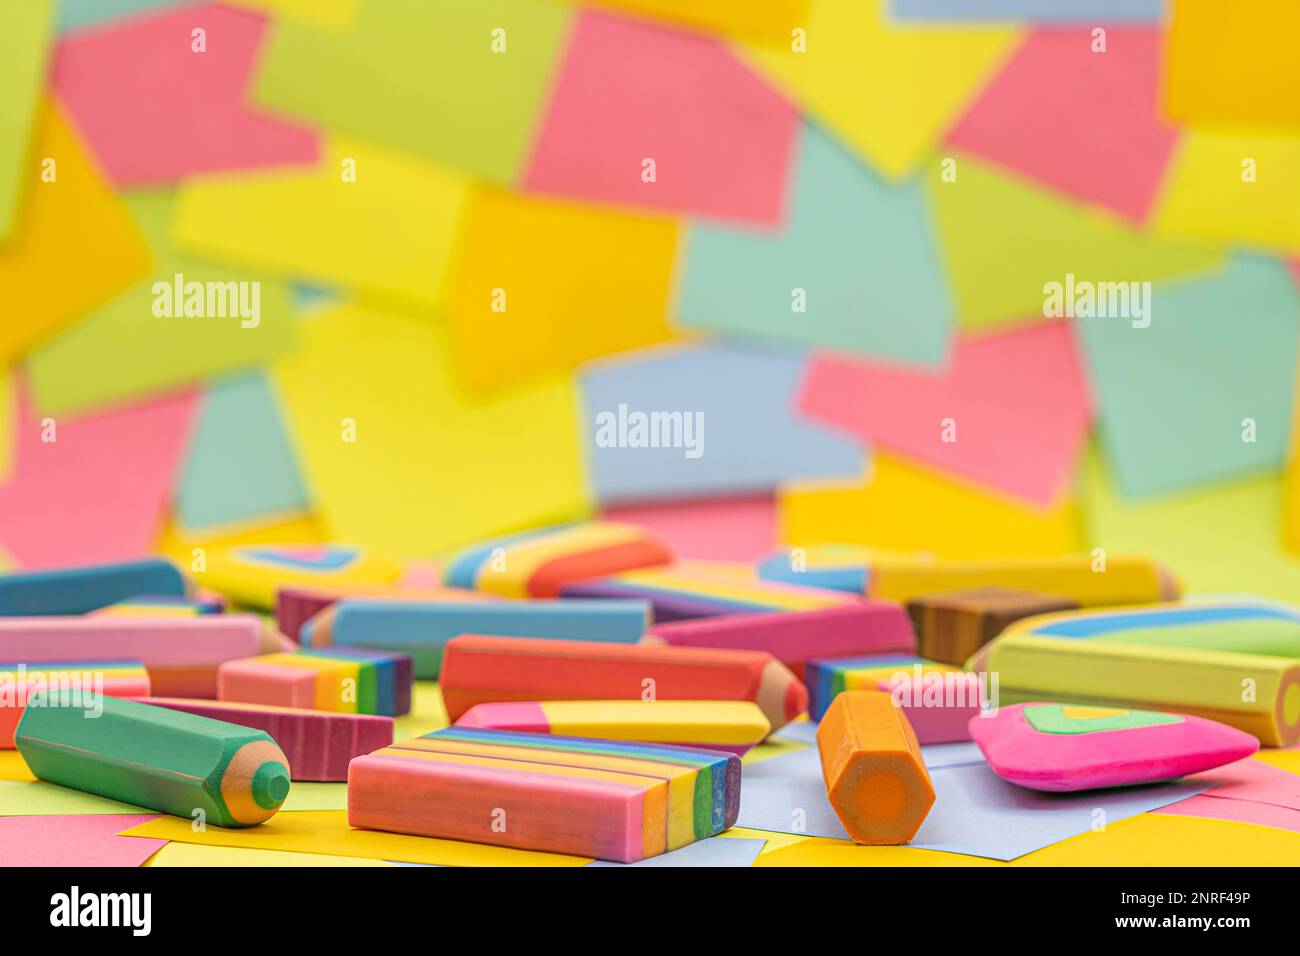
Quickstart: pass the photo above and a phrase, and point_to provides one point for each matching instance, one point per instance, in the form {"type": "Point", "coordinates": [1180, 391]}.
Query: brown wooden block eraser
{"type": "Point", "coordinates": [951, 627]}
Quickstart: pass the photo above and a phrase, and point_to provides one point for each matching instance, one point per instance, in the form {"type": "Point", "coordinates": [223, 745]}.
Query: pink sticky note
{"type": "Point", "coordinates": [75, 840]}
{"type": "Point", "coordinates": [1010, 411]}
{"type": "Point", "coordinates": [1088, 124]}
{"type": "Point", "coordinates": [97, 491]}
{"type": "Point", "coordinates": [720, 139]}
{"type": "Point", "coordinates": [153, 109]}
{"type": "Point", "coordinates": [1241, 811]}
{"type": "Point", "coordinates": [733, 529]}
{"type": "Point", "coordinates": [1254, 780]}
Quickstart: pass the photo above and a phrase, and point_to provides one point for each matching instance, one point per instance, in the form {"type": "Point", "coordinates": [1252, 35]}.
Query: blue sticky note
{"type": "Point", "coordinates": [1203, 393]}
{"type": "Point", "coordinates": [76, 14]}
{"type": "Point", "coordinates": [739, 426]}
{"type": "Point", "coordinates": [1103, 11]}
{"type": "Point", "coordinates": [714, 851]}
{"type": "Point", "coordinates": [857, 255]}
{"type": "Point", "coordinates": [423, 628]}
{"type": "Point", "coordinates": [240, 465]}
{"type": "Point", "coordinates": [974, 811]}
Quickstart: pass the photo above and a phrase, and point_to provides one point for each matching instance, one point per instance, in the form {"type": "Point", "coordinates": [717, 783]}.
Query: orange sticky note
{"type": "Point", "coordinates": [77, 246]}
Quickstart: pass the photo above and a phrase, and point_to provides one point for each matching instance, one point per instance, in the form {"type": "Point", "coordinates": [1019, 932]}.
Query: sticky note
{"type": "Point", "coordinates": [73, 841]}
{"type": "Point", "coordinates": [81, 14]}
{"type": "Point", "coordinates": [52, 509]}
{"type": "Point", "coordinates": [1233, 189]}
{"type": "Point", "coordinates": [149, 352]}
{"type": "Point", "coordinates": [337, 14]}
{"type": "Point", "coordinates": [719, 529]}
{"type": "Point", "coordinates": [888, 91]}
{"type": "Point", "coordinates": [399, 460]}
{"type": "Point", "coordinates": [1221, 539]}
{"type": "Point", "coordinates": [904, 507]}
{"type": "Point", "coordinates": [474, 72]}
{"type": "Point", "coordinates": [240, 465]}
{"type": "Point", "coordinates": [71, 217]}
{"type": "Point", "coordinates": [1192, 397]}
{"type": "Point", "coordinates": [25, 30]}
{"type": "Point", "coordinates": [363, 218]}
{"type": "Point", "coordinates": [607, 136]}
{"type": "Point", "coordinates": [1072, 91]}
{"type": "Point", "coordinates": [102, 76]}
{"type": "Point", "coordinates": [327, 832]}
{"type": "Point", "coordinates": [534, 283]}
{"type": "Point", "coordinates": [770, 20]}
{"type": "Point", "coordinates": [746, 437]}
{"type": "Point", "coordinates": [193, 854]}
{"type": "Point", "coordinates": [853, 254]}
{"type": "Point", "coordinates": [1234, 68]}
{"type": "Point", "coordinates": [1082, 11]}
{"type": "Point", "coordinates": [1004, 238]}
{"type": "Point", "coordinates": [1010, 411]}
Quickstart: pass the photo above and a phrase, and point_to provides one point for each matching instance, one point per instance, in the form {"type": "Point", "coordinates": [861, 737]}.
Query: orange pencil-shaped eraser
{"type": "Point", "coordinates": [871, 762]}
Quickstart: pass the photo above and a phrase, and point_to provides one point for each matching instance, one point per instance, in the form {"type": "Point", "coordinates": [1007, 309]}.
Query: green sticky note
{"type": "Point", "coordinates": [25, 31]}
{"type": "Point", "coordinates": [240, 466]}
{"type": "Point", "coordinates": [1003, 239]}
{"type": "Point", "coordinates": [79, 14]}
{"type": "Point", "coordinates": [1203, 392]}
{"type": "Point", "coordinates": [149, 353]}
{"type": "Point", "coordinates": [854, 268]}
{"type": "Point", "coordinates": [461, 82]}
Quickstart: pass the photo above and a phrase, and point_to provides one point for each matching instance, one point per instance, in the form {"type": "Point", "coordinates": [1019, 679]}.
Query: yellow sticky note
{"type": "Point", "coordinates": [769, 20]}
{"type": "Point", "coordinates": [539, 287]}
{"type": "Point", "coordinates": [149, 352]}
{"type": "Point", "coordinates": [77, 246]}
{"type": "Point", "coordinates": [1162, 839]}
{"type": "Point", "coordinates": [1288, 760]}
{"type": "Point", "coordinates": [27, 798]}
{"type": "Point", "coordinates": [902, 507]}
{"type": "Point", "coordinates": [1233, 189]}
{"type": "Point", "coordinates": [8, 414]}
{"type": "Point", "coordinates": [25, 32]}
{"type": "Point", "coordinates": [363, 217]}
{"type": "Point", "coordinates": [888, 91]}
{"type": "Point", "coordinates": [13, 767]}
{"type": "Point", "coordinates": [336, 14]}
{"type": "Point", "coordinates": [1003, 239]}
{"type": "Point", "coordinates": [194, 854]}
{"type": "Point", "coordinates": [327, 832]}
{"type": "Point", "coordinates": [1234, 65]}
{"type": "Point", "coordinates": [819, 851]}
{"type": "Point", "coordinates": [1218, 540]}
{"type": "Point", "coordinates": [398, 459]}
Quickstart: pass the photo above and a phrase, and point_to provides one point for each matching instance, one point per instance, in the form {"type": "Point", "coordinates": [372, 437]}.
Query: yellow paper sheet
{"type": "Point", "coordinates": [1003, 239]}
{"type": "Point", "coordinates": [538, 287]}
{"type": "Point", "coordinates": [335, 14]}
{"type": "Point", "coordinates": [889, 91]}
{"type": "Point", "coordinates": [1233, 189]}
{"type": "Point", "coordinates": [77, 246]}
{"type": "Point", "coordinates": [1217, 540]}
{"type": "Point", "coordinates": [1288, 760]}
{"type": "Point", "coordinates": [902, 507]}
{"type": "Point", "coordinates": [150, 354]}
{"type": "Point", "coordinates": [387, 234]}
{"type": "Point", "coordinates": [26, 30]}
{"type": "Point", "coordinates": [328, 832]}
{"type": "Point", "coordinates": [1233, 65]}
{"type": "Point", "coordinates": [37, 798]}
{"type": "Point", "coordinates": [819, 851]}
{"type": "Point", "coordinates": [1159, 839]}
{"type": "Point", "coordinates": [767, 21]}
{"type": "Point", "coordinates": [194, 854]}
{"type": "Point", "coordinates": [13, 767]}
{"type": "Point", "coordinates": [429, 469]}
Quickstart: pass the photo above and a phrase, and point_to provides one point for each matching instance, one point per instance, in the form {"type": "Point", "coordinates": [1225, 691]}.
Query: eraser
{"type": "Point", "coordinates": [951, 627]}
{"type": "Point", "coordinates": [733, 726]}
{"type": "Point", "coordinates": [611, 800]}
{"type": "Point", "coordinates": [827, 677]}
{"type": "Point", "coordinates": [342, 680]}
{"type": "Point", "coordinates": [19, 681]}
{"type": "Point", "coordinates": [251, 575]}
{"type": "Point", "coordinates": [204, 770]}
{"type": "Point", "coordinates": [481, 670]}
{"type": "Point", "coordinates": [875, 778]}
{"type": "Point", "coordinates": [83, 589]}
{"type": "Point", "coordinates": [1067, 747]}
{"type": "Point", "coordinates": [538, 563]}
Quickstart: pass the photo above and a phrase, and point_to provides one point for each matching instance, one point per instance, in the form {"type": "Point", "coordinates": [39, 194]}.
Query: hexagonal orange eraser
{"type": "Point", "coordinates": [871, 762]}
